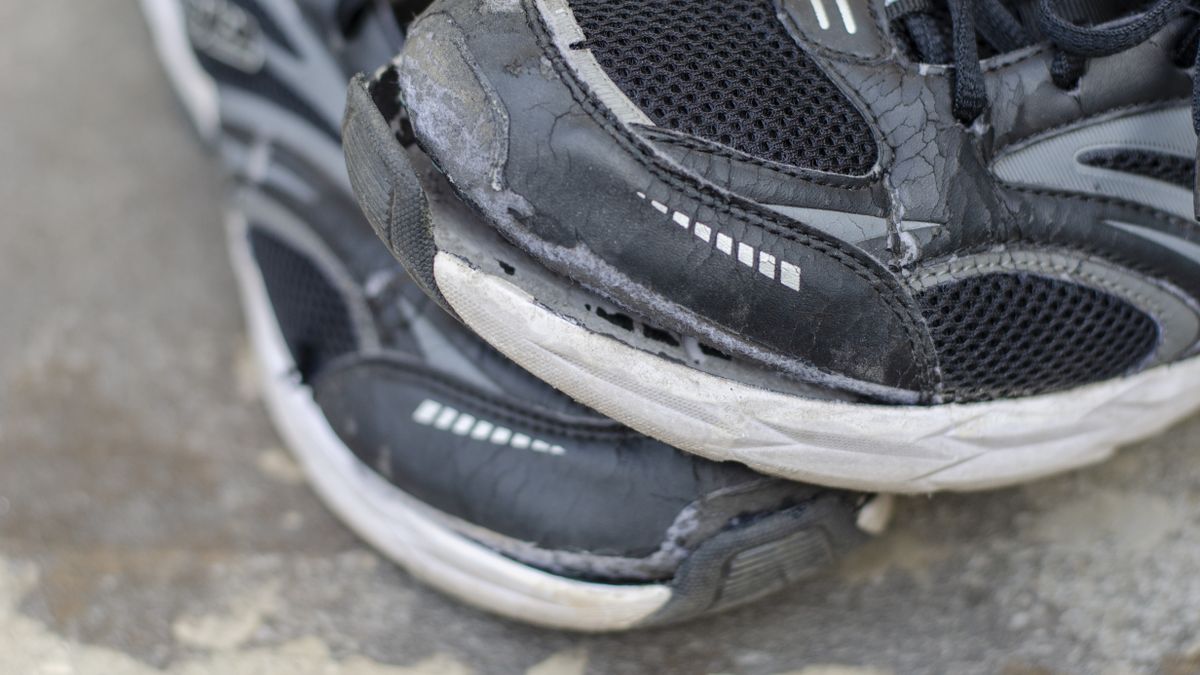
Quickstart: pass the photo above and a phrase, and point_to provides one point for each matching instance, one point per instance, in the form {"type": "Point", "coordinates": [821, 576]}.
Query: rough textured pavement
{"type": "Point", "coordinates": [150, 520]}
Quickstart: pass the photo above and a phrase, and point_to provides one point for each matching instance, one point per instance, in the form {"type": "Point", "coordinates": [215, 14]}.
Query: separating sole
{"type": "Point", "coordinates": [715, 407]}
{"type": "Point", "coordinates": [876, 448]}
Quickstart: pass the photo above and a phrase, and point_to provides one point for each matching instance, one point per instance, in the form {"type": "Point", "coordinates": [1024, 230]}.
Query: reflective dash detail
{"type": "Point", "coordinates": [431, 413]}
{"type": "Point", "coordinates": [427, 412]}
{"type": "Point", "coordinates": [847, 16]}
{"type": "Point", "coordinates": [724, 244]}
{"type": "Point", "coordinates": [746, 254]}
{"type": "Point", "coordinates": [482, 430]}
{"type": "Point", "coordinates": [843, 8]}
{"type": "Point", "coordinates": [789, 275]}
{"type": "Point", "coordinates": [822, 15]}
{"type": "Point", "coordinates": [463, 425]}
{"type": "Point", "coordinates": [445, 419]}
{"type": "Point", "coordinates": [767, 264]}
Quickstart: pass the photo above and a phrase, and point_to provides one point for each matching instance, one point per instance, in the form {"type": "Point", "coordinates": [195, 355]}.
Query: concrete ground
{"type": "Point", "coordinates": [150, 520]}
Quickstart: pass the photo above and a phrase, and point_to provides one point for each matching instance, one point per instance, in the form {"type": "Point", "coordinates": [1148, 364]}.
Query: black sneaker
{"type": "Point", "coordinates": [454, 462]}
{"type": "Point", "coordinates": [875, 246]}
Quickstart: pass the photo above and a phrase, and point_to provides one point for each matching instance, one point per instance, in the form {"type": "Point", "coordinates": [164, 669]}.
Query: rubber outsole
{"type": "Point", "coordinates": [903, 449]}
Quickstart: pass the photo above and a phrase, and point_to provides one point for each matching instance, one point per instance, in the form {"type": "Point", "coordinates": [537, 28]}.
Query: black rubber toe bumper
{"type": "Point", "coordinates": [387, 187]}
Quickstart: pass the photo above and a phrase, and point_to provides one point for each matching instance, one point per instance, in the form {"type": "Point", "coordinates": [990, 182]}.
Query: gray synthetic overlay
{"type": "Point", "coordinates": [566, 32]}
{"type": "Point", "coordinates": [261, 212]}
{"type": "Point", "coordinates": [854, 228]}
{"type": "Point", "coordinates": [381, 288]}
{"type": "Point", "coordinates": [1052, 161]}
{"type": "Point", "coordinates": [266, 121]}
{"type": "Point", "coordinates": [1180, 246]}
{"type": "Point", "coordinates": [437, 349]}
{"type": "Point", "coordinates": [1177, 315]}
{"type": "Point", "coordinates": [311, 64]}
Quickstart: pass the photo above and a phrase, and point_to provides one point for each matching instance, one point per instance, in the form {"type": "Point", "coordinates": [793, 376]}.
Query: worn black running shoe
{"type": "Point", "coordinates": [905, 246]}
{"type": "Point", "coordinates": [454, 462]}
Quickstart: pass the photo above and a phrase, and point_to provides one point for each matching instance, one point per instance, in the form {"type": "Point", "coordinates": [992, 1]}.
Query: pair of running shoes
{"type": "Point", "coordinates": [669, 289]}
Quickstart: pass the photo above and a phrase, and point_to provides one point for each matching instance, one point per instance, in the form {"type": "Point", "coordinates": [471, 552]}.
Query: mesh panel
{"type": "Point", "coordinates": [311, 313]}
{"type": "Point", "coordinates": [1172, 169]}
{"type": "Point", "coordinates": [727, 71]}
{"type": "Point", "coordinates": [1008, 335]}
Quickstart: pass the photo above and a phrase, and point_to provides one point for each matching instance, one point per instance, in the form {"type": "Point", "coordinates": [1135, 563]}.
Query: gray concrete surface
{"type": "Point", "coordinates": [150, 520]}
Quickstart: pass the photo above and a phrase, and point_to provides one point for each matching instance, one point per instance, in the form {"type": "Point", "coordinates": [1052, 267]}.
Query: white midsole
{"type": "Point", "coordinates": [381, 516]}
{"type": "Point", "coordinates": [858, 446]}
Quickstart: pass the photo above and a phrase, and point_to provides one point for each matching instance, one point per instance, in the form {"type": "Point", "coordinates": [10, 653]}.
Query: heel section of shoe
{"type": "Point", "coordinates": [746, 564]}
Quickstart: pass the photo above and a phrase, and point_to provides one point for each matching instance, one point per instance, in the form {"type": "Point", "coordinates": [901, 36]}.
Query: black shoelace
{"type": "Point", "coordinates": [1073, 44]}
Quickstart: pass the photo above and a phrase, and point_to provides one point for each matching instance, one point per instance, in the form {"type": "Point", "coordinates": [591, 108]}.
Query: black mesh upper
{"type": "Point", "coordinates": [727, 71]}
{"type": "Point", "coordinates": [1009, 335]}
{"type": "Point", "coordinates": [312, 314]}
{"type": "Point", "coordinates": [1172, 169]}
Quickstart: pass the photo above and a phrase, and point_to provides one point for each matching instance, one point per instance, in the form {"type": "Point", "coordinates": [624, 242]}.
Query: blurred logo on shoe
{"type": "Point", "coordinates": [226, 32]}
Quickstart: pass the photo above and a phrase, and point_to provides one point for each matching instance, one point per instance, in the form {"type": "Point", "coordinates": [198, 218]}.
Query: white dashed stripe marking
{"type": "Point", "coordinates": [789, 275]}
{"type": "Point", "coordinates": [768, 265]}
{"type": "Point", "coordinates": [822, 16]}
{"type": "Point", "coordinates": [482, 429]}
{"type": "Point", "coordinates": [847, 16]}
{"type": "Point", "coordinates": [462, 425]}
{"type": "Point", "coordinates": [431, 413]}
{"type": "Point", "coordinates": [724, 244]}
{"type": "Point", "coordinates": [843, 8]}
{"type": "Point", "coordinates": [445, 419]}
{"type": "Point", "coordinates": [426, 412]}
{"type": "Point", "coordinates": [746, 254]}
